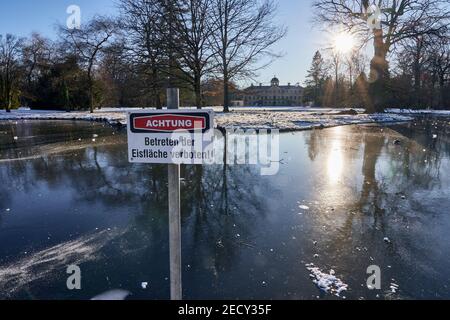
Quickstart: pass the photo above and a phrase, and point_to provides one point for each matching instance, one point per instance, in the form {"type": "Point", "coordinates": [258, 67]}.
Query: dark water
{"type": "Point", "coordinates": [66, 199]}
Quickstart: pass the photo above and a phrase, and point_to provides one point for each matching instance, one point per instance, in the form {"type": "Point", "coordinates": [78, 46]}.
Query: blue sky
{"type": "Point", "coordinates": [21, 17]}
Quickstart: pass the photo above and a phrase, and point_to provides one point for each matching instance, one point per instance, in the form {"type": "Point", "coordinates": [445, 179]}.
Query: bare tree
{"type": "Point", "coordinates": [10, 55]}
{"type": "Point", "coordinates": [399, 19]}
{"type": "Point", "coordinates": [188, 35]}
{"type": "Point", "coordinates": [142, 20]}
{"type": "Point", "coordinates": [355, 64]}
{"type": "Point", "coordinates": [416, 52]}
{"type": "Point", "coordinates": [88, 42]}
{"type": "Point", "coordinates": [335, 62]}
{"type": "Point", "coordinates": [243, 32]}
{"type": "Point", "coordinates": [441, 64]}
{"type": "Point", "coordinates": [36, 56]}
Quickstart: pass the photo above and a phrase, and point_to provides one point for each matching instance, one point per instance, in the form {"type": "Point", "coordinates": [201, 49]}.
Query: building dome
{"type": "Point", "coordinates": [275, 82]}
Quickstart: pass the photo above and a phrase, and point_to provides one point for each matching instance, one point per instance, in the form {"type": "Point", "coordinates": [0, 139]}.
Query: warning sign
{"type": "Point", "coordinates": [171, 137]}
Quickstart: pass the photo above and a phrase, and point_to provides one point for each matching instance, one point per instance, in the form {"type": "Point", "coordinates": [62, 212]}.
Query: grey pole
{"type": "Point", "coordinates": [173, 102]}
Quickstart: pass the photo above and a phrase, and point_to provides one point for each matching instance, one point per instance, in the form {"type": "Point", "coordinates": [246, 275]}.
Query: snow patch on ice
{"type": "Point", "coordinates": [420, 112]}
{"type": "Point", "coordinates": [327, 282]}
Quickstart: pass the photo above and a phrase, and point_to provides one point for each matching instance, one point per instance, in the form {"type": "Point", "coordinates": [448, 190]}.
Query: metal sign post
{"type": "Point", "coordinates": [176, 290]}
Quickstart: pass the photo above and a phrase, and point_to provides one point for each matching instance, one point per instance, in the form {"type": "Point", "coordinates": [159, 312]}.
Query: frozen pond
{"type": "Point", "coordinates": [345, 198]}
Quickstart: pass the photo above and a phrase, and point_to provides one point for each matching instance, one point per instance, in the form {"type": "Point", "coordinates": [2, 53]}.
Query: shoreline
{"type": "Point", "coordinates": [282, 119]}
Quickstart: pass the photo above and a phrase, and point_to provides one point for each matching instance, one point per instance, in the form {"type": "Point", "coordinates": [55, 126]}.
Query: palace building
{"type": "Point", "coordinates": [273, 95]}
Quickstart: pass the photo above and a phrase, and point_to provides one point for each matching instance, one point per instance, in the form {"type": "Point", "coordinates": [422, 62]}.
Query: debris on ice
{"type": "Point", "coordinates": [327, 282]}
{"type": "Point", "coordinates": [394, 287]}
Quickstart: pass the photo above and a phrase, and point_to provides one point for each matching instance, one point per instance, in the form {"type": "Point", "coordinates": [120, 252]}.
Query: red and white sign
{"type": "Point", "coordinates": [172, 136]}
{"type": "Point", "coordinates": [170, 122]}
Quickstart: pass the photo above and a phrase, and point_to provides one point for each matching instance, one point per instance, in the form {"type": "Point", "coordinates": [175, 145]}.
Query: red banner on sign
{"type": "Point", "coordinates": [169, 123]}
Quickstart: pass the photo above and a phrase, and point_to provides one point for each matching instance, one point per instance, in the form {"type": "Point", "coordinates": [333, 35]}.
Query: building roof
{"type": "Point", "coordinates": [275, 83]}
{"type": "Point", "coordinates": [252, 87]}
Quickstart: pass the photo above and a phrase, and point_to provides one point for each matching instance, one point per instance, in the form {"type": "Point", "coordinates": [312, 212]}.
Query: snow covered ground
{"type": "Point", "coordinates": [283, 118]}
{"type": "Point", "coordinates": [421, 112]}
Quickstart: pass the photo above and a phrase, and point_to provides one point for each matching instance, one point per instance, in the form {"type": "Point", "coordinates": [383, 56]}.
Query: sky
{"type": "Point", "coordinates": [22, 17]}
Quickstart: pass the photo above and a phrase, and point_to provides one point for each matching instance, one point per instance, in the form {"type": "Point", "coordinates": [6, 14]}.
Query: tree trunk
{"type": "Point", "coordinates": [336, 87]}
{"type": "Point", "coordinates": [66, 97]}
{"type": "Point", "coordinates": [91, 99]}
{"type": "Point", "coordinates": [7, 96]}
{"type": "Point", "coordinates": [155, 90]}
{"type": "Point", "coordinates": [441, 93]}
{"type": "Point", "coordinates": [379, 75]}
{"type": "Point", "coordinates": [417, 75]}
{"type": "Point", "coordinates": [157, 100]}
{"type": "Point", "coordinates": [198, 93]}
{"type": "Point", "coordinates": [91, 94]}
{"type": "Point", "coordinates": [90, 85]}
{"type": "Point", "coordinates": [226, 93]}
{"type": "Point", "coordinates": [8, 101]}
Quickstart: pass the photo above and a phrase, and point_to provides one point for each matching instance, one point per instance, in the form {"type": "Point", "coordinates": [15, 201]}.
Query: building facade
{"type": "Point", "coordinates": [273, 95]}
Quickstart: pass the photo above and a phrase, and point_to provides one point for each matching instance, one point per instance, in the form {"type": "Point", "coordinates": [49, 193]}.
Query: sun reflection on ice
{"type": "Point", "coordinates": [335, 164]}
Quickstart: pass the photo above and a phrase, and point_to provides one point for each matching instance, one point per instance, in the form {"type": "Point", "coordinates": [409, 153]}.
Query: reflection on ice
{"type": "Point", "coordinates": [335, 161]}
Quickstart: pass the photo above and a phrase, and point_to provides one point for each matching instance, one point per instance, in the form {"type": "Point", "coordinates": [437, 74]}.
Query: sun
{"type": "Point", "coordinates": [344, 42]}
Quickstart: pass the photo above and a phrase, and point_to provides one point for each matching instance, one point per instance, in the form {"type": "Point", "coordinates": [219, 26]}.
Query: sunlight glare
{"type": "Point", "coordinates": [335, 163]}
{"type": "Point", "coordinates": [344, 42]}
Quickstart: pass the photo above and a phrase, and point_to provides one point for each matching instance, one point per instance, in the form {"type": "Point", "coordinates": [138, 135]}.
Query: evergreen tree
{"type": "Point", "coordinates": [315, 81]}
